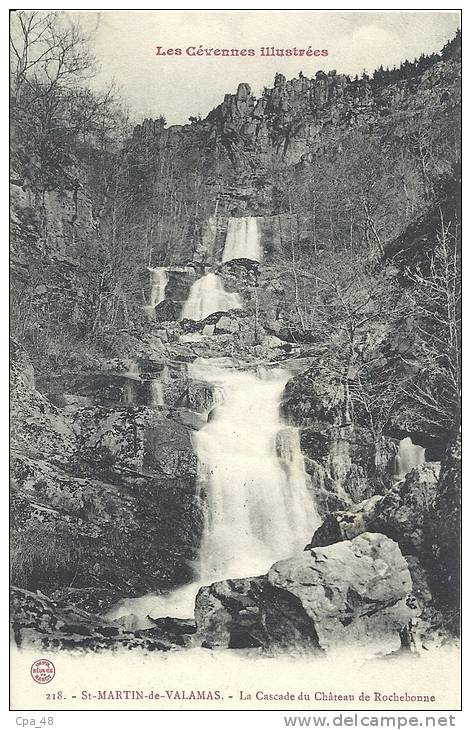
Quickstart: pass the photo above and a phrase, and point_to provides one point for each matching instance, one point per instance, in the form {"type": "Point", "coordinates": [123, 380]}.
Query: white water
{"type": "Point", "coordinates": [408, 456]}
{"type": "Point", "coordinates": [157, 390]}
{"type": "Point", "coordinates": [242, 240]}
{"type": "Point", "coordinates": [258, 506]}
{"type": "Point", "coordinates": [304, 512]}
{"type": "Point", "coordinates": [158, 282]}
{"type": "Point", "coordinates": [252, 482]}
{"type": "Point", "coordinates": [207, 295]}
{"type": "Point", "coordinates": [132, 373]}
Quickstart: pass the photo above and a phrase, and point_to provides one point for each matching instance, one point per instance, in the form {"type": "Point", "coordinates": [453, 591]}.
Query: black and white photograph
{"type": "Point", "coordinates": [235, 359]}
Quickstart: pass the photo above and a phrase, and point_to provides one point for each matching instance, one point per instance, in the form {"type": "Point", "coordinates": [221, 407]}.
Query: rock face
{"type": "Point", "coordinates": [199, 396]}
{"type": "Point", "coordinates": [290, 118]}
{"type": "Point", "coordinates": [37, 425]}
{"type": "Point", "coordinates": [350, 593]}
{"type": "Point", "coordinates": [344, 462]}
{"type": "Point", "coordinates": [104, 498]}
{"type": "Point", "coordinates": [403, 514]}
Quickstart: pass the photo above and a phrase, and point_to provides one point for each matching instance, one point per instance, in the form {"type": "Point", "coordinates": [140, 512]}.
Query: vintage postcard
{"type": "Point", "coordinates": [235, 360]}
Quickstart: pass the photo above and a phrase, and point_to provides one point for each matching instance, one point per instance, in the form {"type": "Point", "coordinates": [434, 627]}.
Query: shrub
{"type": "Point", "coordinates": [44, 558]}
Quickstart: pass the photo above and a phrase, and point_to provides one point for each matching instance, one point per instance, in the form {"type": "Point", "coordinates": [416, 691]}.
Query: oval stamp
{"type": "Point", "coordinates": [43, 671]}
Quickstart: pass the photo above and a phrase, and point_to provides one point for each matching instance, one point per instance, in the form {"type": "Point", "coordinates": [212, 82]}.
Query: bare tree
{"type": "Point", "coordinates": [50, 62]}
{"type": "Point", "coordinates": [356, 312]}
{"type": "Point", "coordinates": [436, 299]}
{"type": "Point", "coordinates": [47, 51]}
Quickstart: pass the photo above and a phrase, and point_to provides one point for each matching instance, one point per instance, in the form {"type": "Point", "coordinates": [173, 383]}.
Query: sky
{"type": "Point", "coordinates": [181, 86]}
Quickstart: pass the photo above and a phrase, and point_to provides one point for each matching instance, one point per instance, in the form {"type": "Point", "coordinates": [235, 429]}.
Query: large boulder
{"type": "Point", "coordinates": [350, 593]}
{"type": "Point", "coordinates": [167, 311]}
{"type": "Point", "coordinates": [308, 398]}
{"type": "Point", "coordinates": [403, 514]}
{"type": "Point", "coordinates": [227, 325]}
{"type": "Point", "coordinates": [241, 273]}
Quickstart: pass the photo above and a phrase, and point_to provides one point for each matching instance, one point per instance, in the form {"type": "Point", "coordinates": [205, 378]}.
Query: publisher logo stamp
{"type": "Point", "coordinates": [43, 671]}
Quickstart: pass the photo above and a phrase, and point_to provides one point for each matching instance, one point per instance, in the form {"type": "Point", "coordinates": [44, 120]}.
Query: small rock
{"type": "Point", "coordinates": [271, 341]}
{"type": "Point", "coordinates": [227, 325]}
{"type": "Point", "coordinates": [162, 335]}
{"type": "Point", "coordinates": [130, 621]}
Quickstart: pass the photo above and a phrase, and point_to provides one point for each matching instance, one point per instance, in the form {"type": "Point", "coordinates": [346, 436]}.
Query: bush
{"type": "Point", "coordinates": [43, 558]}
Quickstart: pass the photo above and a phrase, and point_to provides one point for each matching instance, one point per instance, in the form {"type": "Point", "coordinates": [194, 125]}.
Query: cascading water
{"type": "Point", "coordinates": [242, 240]}
{"type": "Point", "coordinates": [408, 456]}
{"type": "Point", "coordinates": [158, 283]}
{"type": "Point", "coordinates": [132, 374]}
{"type": "Point", "coordinates": [207, 295]}
{"type": "Point", "coordinates": [292, 460]}
{"type": "Point", "coordinates": [251, 477]}
{"type": "Point", "coordinates": [133, 370]}
{"type": "Point", "coordinates": [258, 509]}
{"type": "Point", "coordinates": [157, 392]}
{"type": "Point", "coordinates": [252, 483]}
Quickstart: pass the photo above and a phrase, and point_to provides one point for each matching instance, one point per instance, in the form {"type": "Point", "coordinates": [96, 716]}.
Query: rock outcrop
{"type": "Point", "coordinates": [38, 427]}
{"type": "Point", "coordinates": [407, 513]}
{"type": "Point", "coordinates": [404, 514]}
{"type": "Point", "coordinates": [351, 593]}
{"type": "Point", "coordinates": [344, 462]}
{"type": "Point", "coordinates": [199, 396]}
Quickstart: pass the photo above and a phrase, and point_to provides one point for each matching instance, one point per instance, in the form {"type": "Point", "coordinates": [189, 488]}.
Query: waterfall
{"type": "Point", "coordinates": [408, 456]}
{"type": "Point", "coordinates": [158, 282]}
{"type": "Point", "coordinates": [242, 240]}
{"type": "Point", "coordinates": [292, 460]}
{"type": "Point", "coordinates": [157, 392]}
{"type": "Point", "coordinates": [251, 481]}
{"type": "Point", "coordinates": [251, 478]}
{"type": "Point", "coordinates": [133, 370]}
{"type": "Point", "coordinates": [258, 509]}
{"type": "Point", "coordinates": [131, 375]}
{"type": "Point", "coordinates": [207, 295]}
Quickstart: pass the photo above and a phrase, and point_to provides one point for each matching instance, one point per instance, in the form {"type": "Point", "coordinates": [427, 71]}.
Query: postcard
{"type": "Point", "coordinates": [235, 360]}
